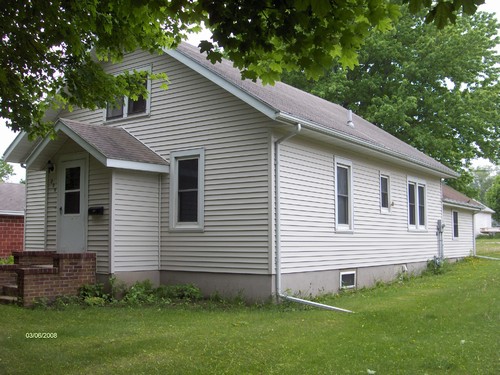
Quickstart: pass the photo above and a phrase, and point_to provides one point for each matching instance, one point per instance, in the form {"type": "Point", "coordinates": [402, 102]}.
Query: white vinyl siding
{"type": "Point", "coordinates": [98, 225]}
{"type": "Point", "coordinates": [463, 245]}
{"type": "Point", "coordinates": [195, 113]}
{"type": "Point", "coordinates": [135, 227]}
{"type": "Point", "coordinates": [35, 219]}
{"type": "Point", "coordinates": [309, 242]}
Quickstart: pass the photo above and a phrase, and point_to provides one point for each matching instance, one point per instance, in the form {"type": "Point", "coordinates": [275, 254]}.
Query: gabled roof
{"type": "Point", "coordinates": [286, 103]}
{"type": "Point", "coordinates": [113, 147]}
{"type": "Point", "coordinates": [454, 198]}
{"type": "Point", "coordinates": [12, 199]}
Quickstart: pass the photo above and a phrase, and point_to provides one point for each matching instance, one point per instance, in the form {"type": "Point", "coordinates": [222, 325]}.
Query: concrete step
{"type": "Point", "coordinates": [7, 300]}
{"type": "Point", "coordinates": [10, 290]}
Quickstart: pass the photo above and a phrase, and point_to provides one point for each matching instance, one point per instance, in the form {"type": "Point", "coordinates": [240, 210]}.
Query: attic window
{"type": "Point", "coordinates": [348, 280]}
{"type": "Point", "coordinates": [125, 107]}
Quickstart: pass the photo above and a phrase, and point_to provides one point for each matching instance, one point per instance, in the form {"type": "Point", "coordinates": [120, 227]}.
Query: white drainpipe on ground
{"type": "Point", "coordinates": [279, 293]}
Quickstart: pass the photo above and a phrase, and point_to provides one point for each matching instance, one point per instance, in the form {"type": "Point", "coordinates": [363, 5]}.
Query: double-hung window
{"type": "Point", "coordinates": [384, 193]}
{"type": "Point", "coordinates": [416, 205]}
{"type": "Point", "coordinates": [454, 222]}
{"type": "Point", "coordinates": [343, 196]}
{"type": "Point", "coordinates": [124, 107]}
{"type": "Point", "coordinates": [187, 190]}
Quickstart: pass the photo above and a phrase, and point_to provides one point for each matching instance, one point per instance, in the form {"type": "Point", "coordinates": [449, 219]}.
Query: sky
{"type": "Point", "coordinates": [7, 136]}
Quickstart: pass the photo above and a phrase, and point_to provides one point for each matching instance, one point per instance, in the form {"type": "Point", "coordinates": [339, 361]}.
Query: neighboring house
{"type": "Point", "coordinates": [459, 213]}
{"type": "Point", "coordinates": [12, 205]}
{"type": "Point", "coordinates": [483, 220]}
{"type": "Point", "coordinates": [231, 185]}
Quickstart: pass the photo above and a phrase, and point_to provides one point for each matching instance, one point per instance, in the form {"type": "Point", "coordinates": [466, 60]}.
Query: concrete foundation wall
{"type": "Point", "coordinates": [262, 287]}
{"type": "Point", "coordinates": [251, 287]}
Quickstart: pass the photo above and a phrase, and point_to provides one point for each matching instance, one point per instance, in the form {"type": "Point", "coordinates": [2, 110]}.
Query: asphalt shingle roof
{"type": "Point", "coordinates": [450, 195]}
{"type": "Point", "coordinates": [114, 143]}
{"type": "Point", "coordinates": [307, 107]}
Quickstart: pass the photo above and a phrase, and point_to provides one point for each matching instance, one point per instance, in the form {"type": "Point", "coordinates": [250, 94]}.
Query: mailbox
{"type": "Point", "coordinates": [96, 210]}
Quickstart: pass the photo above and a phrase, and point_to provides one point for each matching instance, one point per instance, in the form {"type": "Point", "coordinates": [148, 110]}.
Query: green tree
{"type": "Point", "coordinates": [6, 170]}
{"type": "Point", "coordinates": [437, 90]}
{"type": "Point", "coordinates": [493, 198]}
{"type": "Point", "coordinates": [483, 178]}
{"type": "Point", "coordinates": [51, 49]}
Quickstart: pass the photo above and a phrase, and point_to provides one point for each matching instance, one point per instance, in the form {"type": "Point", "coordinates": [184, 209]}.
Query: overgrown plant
{"type": "Point", "coordinates": [7, 260]}
{"type": "Point", "coordinates": [436, 266]}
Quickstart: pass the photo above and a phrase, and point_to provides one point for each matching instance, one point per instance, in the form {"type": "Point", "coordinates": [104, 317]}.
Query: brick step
{"type": "Point", "coordinates": [7, 300]}
{"type": "Point", "coordinates": [10, 290]}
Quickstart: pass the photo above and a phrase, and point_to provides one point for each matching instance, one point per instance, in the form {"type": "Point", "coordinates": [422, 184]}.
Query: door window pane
{"type": "Point", "coordinates": [72, 202]}
{"type": "Point", "coordinates": [72, 191]}
{"type": "Point", "coordinates": [72, 181]}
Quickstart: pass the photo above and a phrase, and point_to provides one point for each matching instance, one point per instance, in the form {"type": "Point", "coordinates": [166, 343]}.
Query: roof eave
{"type": "Point", "coordinates": [466, 206]}
{"type": "Point", "coordinates": [397, 157]}
{"type": "Point", "coordinates": [103, 159]}
{"type": "Point", "coordinates": [11, 213]}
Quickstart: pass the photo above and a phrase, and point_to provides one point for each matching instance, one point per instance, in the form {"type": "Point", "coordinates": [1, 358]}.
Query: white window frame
{"type": "Point", "coordinates": [453, 236]}
{"type": "Point", "coordinates": [342, 273]}
{"type": "Point", "coordinates": [175, 224]}
{"type": "Point", "coordinates": [125, 114]}
{"type": "Point", "coordinates": [385, 210]}
{"type": "Point", "coordinates": [417, 183]}
{"type": "Point", "coordinates": [344, 163]}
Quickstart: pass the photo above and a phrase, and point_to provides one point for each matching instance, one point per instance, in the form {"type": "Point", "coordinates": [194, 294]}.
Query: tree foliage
{"type": "Point", "coordinates": [437, 90]}
{"type": "Point", "coordinates": [51, 49]}
{"type": "Point", "coordinates": [493, 198]}
{"type": "Point", "coordinates": [6, 170]}
{"type": "Point", "coordinates": [482, 180]}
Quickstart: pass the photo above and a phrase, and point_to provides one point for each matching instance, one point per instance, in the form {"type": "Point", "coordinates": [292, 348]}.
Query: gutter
{"type": "Point", "coordinates": [286, 118]}
{"type": "Point", "coordinates": [277, 200]}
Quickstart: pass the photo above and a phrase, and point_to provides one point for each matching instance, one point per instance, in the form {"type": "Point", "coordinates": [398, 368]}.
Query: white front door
{"type": "Point", "coordinates": [72, 206]}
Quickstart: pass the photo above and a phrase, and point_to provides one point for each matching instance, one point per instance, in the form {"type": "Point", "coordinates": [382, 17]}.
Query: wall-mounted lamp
{"type": "Point", "coordinates": [50, 166]}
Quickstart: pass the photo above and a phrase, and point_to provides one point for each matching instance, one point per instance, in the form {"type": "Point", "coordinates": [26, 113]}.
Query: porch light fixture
{"type": "Point", "coordinates": [50, 166]}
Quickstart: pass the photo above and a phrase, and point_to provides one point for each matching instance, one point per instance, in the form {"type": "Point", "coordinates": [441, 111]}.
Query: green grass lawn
{"type": "Point", "coordinates": [441, 324]}
{"type": "Point", "coordinates": [489, 246]}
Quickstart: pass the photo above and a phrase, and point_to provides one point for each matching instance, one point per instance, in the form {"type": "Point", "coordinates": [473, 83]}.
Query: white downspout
{"type": "Point", "coordinates": [277, 219]}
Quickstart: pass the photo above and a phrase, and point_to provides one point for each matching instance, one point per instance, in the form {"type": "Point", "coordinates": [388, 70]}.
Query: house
{"type": "Point", "coordinates": [231, 185]}
{"type": "Point", "coordinates": [12, 204]}
{"type": "Point", "coordinates": [459, 212]}
{"type": "Point", "coordinates": [483, 221]}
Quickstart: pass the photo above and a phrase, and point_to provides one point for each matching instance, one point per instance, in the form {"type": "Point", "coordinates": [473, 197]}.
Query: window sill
{"type": "Point", "coordinates": [344, 231]}
{"type": "Point", "coordinates": [418, 230]}
{"type": "Point", "coordinates": [124, 119]}
{"type": "Point", "coordinates": [187, 229]}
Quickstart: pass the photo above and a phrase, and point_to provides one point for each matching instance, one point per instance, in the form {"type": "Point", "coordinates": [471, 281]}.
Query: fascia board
{"type": "Point", "coordinates": [11, 213]}
{"type": "Point", "coordinates": [137, 166]}
{"type": "Point", "coordinates": [395, 156]}
{"type": "Point", "coordinates": [462, 206]}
